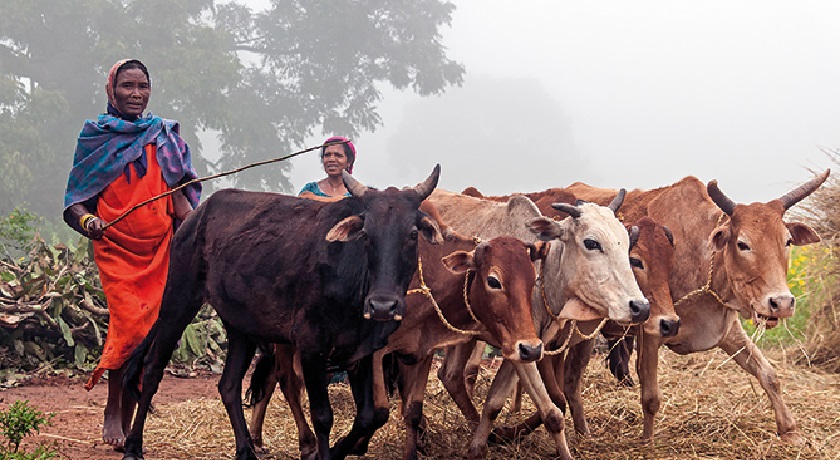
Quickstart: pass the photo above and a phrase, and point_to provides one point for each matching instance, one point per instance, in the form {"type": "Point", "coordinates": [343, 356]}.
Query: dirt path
{"type": "Point", "coordinates": [77, 426]}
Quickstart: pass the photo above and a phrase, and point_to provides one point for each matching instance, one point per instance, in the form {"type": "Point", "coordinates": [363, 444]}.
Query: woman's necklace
{"type": "Point", "coordinates": [334, 187]}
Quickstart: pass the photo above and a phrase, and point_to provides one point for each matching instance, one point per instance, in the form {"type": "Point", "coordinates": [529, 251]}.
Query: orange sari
{"type": "Point", "coordinates": [133, 259]}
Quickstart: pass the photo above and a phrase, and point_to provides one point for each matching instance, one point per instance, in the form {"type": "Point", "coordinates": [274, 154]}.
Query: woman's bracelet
{"type": "Point", "coordinates": [85, 220]}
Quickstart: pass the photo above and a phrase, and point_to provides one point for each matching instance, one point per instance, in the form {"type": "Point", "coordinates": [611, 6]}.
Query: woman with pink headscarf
{"type": "Point", "coordinates": [335, 158]}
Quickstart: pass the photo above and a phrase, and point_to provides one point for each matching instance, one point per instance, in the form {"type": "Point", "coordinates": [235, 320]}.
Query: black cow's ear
{"type": "Point", "coordinates": [547, 229]}
{"type": "Point", "coordinates": [459, 261]}
{"type": "Point", "coordinates": [349, 229]}
{"type": "Point", "coordinates": [430, 230]}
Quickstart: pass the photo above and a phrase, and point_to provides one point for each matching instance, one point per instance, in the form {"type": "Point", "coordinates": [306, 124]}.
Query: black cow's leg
{"type": "Point", "coordinates": [179, 306]}
{"type": "Point", "coordinates": [361, 383]}
{"type": "Point", "coordinates": [314, 367]}
{"type": "Point", "coordinates": [240, 352]}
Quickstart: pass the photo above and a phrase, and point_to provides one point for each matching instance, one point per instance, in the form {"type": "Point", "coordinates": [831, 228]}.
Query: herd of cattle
{"type": "Point", "coordinates": [380, 280]}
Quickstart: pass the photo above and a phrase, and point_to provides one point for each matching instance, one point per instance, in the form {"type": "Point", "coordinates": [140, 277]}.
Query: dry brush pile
{"type": "Point", "coordinates": [822, 212]}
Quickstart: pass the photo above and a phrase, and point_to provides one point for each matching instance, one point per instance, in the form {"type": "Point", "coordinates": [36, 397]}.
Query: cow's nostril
{"type": "Point", "coordinates": [529, 353]}
{"type": "Point", "coordinates": [668, 328]}
{"type": "Point", "coordinates": [639, 310]}
{"type": "Point", "coordinates": [773, 304]}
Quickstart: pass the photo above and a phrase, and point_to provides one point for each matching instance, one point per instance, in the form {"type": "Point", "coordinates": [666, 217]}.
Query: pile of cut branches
{"type": "Point", "coordinates": [53, 314]}
{"type": "Point", "coordinates": [52, 308]}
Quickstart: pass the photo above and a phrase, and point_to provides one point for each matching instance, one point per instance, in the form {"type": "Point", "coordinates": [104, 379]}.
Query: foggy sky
{"type": "Point", "coordinates": [618, 94]}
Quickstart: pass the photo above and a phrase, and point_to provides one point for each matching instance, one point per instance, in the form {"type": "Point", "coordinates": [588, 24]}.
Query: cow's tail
{"type": "Point", "coordinates": [134, 365]}
{"type": "Point", "coordinates": [259, 379]}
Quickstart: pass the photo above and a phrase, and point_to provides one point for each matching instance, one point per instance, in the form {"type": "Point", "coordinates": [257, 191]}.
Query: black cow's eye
{"type": "Point", "coordinates": [493, 282]}
{"type": "Point", "coordinates": [634, 262]}
{"type": "Point", "coordinates": [743, 246]}
{"type": "Point", "coordinates": [592, 245]}
{"type": "Point", "coordinates": [414, 234]}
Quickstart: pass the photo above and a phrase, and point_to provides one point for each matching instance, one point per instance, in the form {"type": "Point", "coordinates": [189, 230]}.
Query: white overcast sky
{"type": "Point", "coordinates": [618, 94]}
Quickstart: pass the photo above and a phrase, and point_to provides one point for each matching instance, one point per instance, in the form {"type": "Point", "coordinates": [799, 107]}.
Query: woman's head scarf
{"type": "Point", "coordinates": [112, 82]}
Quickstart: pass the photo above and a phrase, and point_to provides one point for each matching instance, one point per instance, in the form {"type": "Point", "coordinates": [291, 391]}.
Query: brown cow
{"type": "Point", "coordinates": [499, 276]}
{"type": "Point", "coordinates": [582, 273]}
{"type": "Point", "coordinates": [750, 247]}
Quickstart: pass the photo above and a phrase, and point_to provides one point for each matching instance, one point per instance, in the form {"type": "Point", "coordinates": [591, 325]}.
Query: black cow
{"type": "Point", "coordinates": [282, 269]}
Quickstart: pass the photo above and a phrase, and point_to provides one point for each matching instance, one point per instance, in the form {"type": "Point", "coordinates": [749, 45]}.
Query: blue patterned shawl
{"type": "Point", "coordinates": [108, 144]}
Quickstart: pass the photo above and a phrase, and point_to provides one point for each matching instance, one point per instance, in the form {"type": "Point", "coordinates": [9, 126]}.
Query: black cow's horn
{"type": "Point", "coordinates": [722, 201]}
{"type": "Point", "coordinates": [616, 202]}
{"type": "Point", "coordinates": [353, 186]}
{"type": "Point", "coordinates": [567, 208]}
{"type": "Point", "coordinates": [425, 188]}
{"type": "Point", "coordinates": [634, 236]}
{"type": "Point", "coordinates": [800, 193]}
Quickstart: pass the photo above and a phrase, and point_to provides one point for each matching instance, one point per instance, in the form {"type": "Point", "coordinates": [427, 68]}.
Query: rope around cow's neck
{"type": "Point", "coordinates": [426, 291]}
{"type": "Point", "coordinates": [216, 176]}
{"type": "Point", "coordinates": [573, 328]}
{"type": "Point", "coordinates": [707, 288]}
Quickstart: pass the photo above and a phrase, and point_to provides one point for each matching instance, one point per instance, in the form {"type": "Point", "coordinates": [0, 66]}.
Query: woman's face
{"type": "Point", "coordinates": [131, 92]}
{"type": "Point", "coordinates": [335, 160]}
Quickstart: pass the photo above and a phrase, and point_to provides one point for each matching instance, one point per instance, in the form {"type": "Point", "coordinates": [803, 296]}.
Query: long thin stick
{"type": "Point", "coordinates": [216, 176]}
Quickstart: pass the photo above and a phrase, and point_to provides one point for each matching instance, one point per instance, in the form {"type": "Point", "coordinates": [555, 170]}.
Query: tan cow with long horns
{"type": "Point", "coordinates": [730, 258]}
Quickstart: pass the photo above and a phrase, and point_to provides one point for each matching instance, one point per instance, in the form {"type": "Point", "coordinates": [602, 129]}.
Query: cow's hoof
{"type": "Point", "coordinates": [477, 452]}
{"type": "Point", "coordinates": [792, 437]}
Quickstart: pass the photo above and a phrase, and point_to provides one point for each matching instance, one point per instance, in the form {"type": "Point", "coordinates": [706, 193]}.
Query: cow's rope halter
{"type": "Point", "coordinates": [426, 291]}
{"type": "Point", "coordinates": [573, 325]}
{"type": "Point", "coordinates": [707, 288]}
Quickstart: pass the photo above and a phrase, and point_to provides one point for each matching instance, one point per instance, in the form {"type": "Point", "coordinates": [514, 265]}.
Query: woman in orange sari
{"type": "Point", "coordinates": [123, 158]}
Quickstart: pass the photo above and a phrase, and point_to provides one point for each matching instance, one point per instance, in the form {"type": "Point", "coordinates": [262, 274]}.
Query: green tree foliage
{"type": "Point", "coordinates": [263, 80]}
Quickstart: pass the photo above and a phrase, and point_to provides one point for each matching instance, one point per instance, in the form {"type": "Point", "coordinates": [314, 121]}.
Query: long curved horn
{"type": "Point", "coordinates": [353, 186]}
{"type": "Point", "coordinates": [616, 202]}
{"type": "Point", "coordinates": [634, 235]}
{"type": "Point", "coordinates": [722, 201]}
{"type": "Point", "coordinates": [425, 188]}
{"type": "Point", "coordinates": [800, 193]}
{"type": "Point", "coordinates": [567, 208]}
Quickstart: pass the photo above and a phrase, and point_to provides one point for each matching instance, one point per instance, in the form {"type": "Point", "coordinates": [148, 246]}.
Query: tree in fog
{"type": "Point", "coordinates": [265, 81]}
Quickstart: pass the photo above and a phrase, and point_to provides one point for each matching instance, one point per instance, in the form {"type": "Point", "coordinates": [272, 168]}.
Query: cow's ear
{"type": "Point", "coordinates": [349, 229]}
{"type": "Point", "coordinates": [459, 261]}
{"type": "Point", "coordinates": [802, 234]}
{"type": "Point", "coordinates": [430, 230]}
{"type": "Point", "coordinates": [720, 237]}
{"type": "Point", "coordinates": [538, 250]}
{"type": "Point", "coordinates": [547, 229]}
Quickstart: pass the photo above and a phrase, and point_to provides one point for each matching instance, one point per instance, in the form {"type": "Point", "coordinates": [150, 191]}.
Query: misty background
{"type": "Point", "coordinates": [506, 96]}
{"type": "Point", "coordinates": [619, 94]}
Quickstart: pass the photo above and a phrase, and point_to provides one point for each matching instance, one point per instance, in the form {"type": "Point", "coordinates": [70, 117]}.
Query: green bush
{"type": "Point", "coordinates": [19, 421]}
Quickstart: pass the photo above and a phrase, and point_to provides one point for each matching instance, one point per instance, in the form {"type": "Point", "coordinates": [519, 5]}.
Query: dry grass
{"type": "Point", "coordinates": [821, 211]}
{"type": "Point", "coordinates": [711, 410]}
